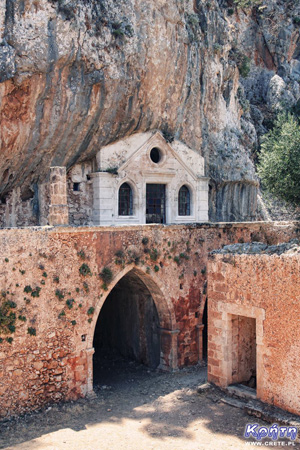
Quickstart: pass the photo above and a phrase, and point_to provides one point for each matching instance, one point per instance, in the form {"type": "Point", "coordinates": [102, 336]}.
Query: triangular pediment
{"type": "Point", "coordinates": [157, 140]}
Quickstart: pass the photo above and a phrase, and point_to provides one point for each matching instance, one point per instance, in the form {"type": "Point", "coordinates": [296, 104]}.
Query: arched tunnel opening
{"type": "Point", "coordinates": [127, 330]}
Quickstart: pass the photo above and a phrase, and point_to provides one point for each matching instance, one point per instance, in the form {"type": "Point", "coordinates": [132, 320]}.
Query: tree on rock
{"type": "Point", "coordinates": [279, 160]}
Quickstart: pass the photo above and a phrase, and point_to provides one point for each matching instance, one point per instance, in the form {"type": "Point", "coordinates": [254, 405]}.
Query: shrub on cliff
{"type": "Point", "coordinates": [247, 3]}
{"type": "Point", "coordinates": [279, 160]}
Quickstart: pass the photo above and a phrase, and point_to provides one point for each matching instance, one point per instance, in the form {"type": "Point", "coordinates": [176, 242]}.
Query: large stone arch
{"type": "Point", "coordinates": [166, 314]}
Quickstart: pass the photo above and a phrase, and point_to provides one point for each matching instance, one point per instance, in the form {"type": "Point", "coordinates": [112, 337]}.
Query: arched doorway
{"type": "Point", "coordinates": [132, 324]}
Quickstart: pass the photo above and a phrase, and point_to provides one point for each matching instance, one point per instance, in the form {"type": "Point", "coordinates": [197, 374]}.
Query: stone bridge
{"type": "Point", "coordinates": [70, 293]}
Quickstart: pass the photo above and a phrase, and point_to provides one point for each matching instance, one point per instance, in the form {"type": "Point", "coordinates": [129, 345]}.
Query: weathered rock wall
{"type": "Point", "coordinates": [55, 301]}
{"type": "Point", "coordinates": [266, 289]}
{"type": "Point", "coordinates": [77, 75]}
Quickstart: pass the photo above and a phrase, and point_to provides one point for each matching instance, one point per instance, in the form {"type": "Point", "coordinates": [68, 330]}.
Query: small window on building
{"type": "Point", "coordinates": [155, 155]}
{"type": "Point", "coordinates": [76, 187]}
{"type": "Point", "coordinates": [184, 201]}
{"type": "Point", "coordinates": [125, 200]}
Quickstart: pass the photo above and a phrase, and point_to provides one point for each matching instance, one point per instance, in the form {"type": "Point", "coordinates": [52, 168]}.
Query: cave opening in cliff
{"type": "Point", "coordinates": [127, 330]}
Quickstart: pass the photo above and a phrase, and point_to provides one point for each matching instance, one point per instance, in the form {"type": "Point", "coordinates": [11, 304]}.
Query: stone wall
{"type": "Point", "coordinates": [80, 194]}
{"type": "Point", "coordinates": [25, 208]}
{"type": "Point", "coordinates": [58, 210]}
{"type": "Point", "coordinates": [49, 281]}
{"type": "Point", "coordinates": [261, 292]}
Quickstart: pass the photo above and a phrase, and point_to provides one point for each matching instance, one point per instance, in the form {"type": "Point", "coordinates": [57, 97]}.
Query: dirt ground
{"type": "Point", "coordinates": [135, 409]}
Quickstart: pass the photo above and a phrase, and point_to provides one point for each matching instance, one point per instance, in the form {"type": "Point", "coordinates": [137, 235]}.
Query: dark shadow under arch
{"type": "Point", "coordinates": [128, 325]}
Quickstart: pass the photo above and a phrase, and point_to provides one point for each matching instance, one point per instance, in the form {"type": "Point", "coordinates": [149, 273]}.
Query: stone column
{"type": "Point", "coordinates": [58, 211]}
{"type": "Point", "coordinates": [200, 341]}
{"type": "Point", "coordinates": [169, 349]}
{"type": "Point", "coordinates": [89, 385]}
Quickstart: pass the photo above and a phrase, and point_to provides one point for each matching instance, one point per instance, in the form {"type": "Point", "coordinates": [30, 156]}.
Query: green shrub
{"type": "Point", "coordinates": [36, 292]}
{"type": "Point", "coordinates": [106, 275]}
{"type": "Point", "coordinates": [116, 33]}
{"type": "Point", "coordinates": [247, 3]}
{"type": "Point", "coordinates": [177, 260]}
{"type": "Point", "coordinates": [31, 331]}
{"type": "Point", "coordinates": [81, 254]}
{"type": "Point", "coordinates": [85, 270]}
{"type": "Point", "coordinates": [279, 160]}
{"type": "Point", "coordinates": [244, 66]}
{"type": "Point", "coordinates": [59, 294]}
{"type": "Point", "coordinates": [7, 317]}
{"type": "Point", "coordinates": [153, 254]}
{"type": "Point", "coordinates": [27, 289]}
{"type": "Point", "coordinates": [70, 302]}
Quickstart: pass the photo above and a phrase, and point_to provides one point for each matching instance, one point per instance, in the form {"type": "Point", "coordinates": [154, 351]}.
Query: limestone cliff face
{"type": "Point", "coordinates": [76, 75]}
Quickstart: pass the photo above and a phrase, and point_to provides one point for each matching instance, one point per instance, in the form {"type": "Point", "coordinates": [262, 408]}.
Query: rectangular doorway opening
{"type": "Point", "coordinates": [244, 353]}
{"type": "Point", "coordinates": [155, 203]}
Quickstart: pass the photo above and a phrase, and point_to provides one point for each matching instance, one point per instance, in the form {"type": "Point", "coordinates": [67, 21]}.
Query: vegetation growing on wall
{"type": "Point", "coordinates": [85, 270]}
{"type": "Point", "coordinates": [106, 275]}
{"type": "Point", "coordinates": [279, 160]}
{"type": "Point", "coordinates": [7, 315]}
{"type": "Point", "coordinates": [247, 3]}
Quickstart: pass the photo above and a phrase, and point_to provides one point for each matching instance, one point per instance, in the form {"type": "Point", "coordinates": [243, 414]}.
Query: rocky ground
{"type": "Point", "coordinates": [135, 408]}
{"type": "Point", "coordinates": [278, 209]}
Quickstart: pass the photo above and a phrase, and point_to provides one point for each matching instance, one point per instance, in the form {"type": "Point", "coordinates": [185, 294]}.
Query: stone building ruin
{"type": "Point", "coordinates": [129, 133]}
{"type": "Point", "coordinates": [138, 180]}
{"type": "Point", "coordinates": [158, 289]}
{"type": "Point", "coordinates": [154, 294]}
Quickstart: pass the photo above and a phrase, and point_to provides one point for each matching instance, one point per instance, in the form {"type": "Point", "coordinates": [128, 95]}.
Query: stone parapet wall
{"type": "Point", "coordinates": [264, 289]}
{"type": "Point", "coordinates": [50, 277]}
{"type": "Point", "coordinates": [80, 194]}
{"type": "Point", "coordinates": [58, 210]}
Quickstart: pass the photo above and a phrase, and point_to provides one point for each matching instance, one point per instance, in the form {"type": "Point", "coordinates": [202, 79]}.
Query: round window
{"type": "Point", "coordinates": [155, 155]}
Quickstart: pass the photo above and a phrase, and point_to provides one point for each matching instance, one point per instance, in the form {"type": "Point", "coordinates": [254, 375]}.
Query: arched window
{"type": "Point", "coordinates": [184, 201]}
{"type": "Point", "coordinates": [125, 200]}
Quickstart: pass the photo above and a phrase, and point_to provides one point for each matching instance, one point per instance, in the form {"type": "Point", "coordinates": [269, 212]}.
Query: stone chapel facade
{"type": "Point", "coordinates": [144, 179]}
